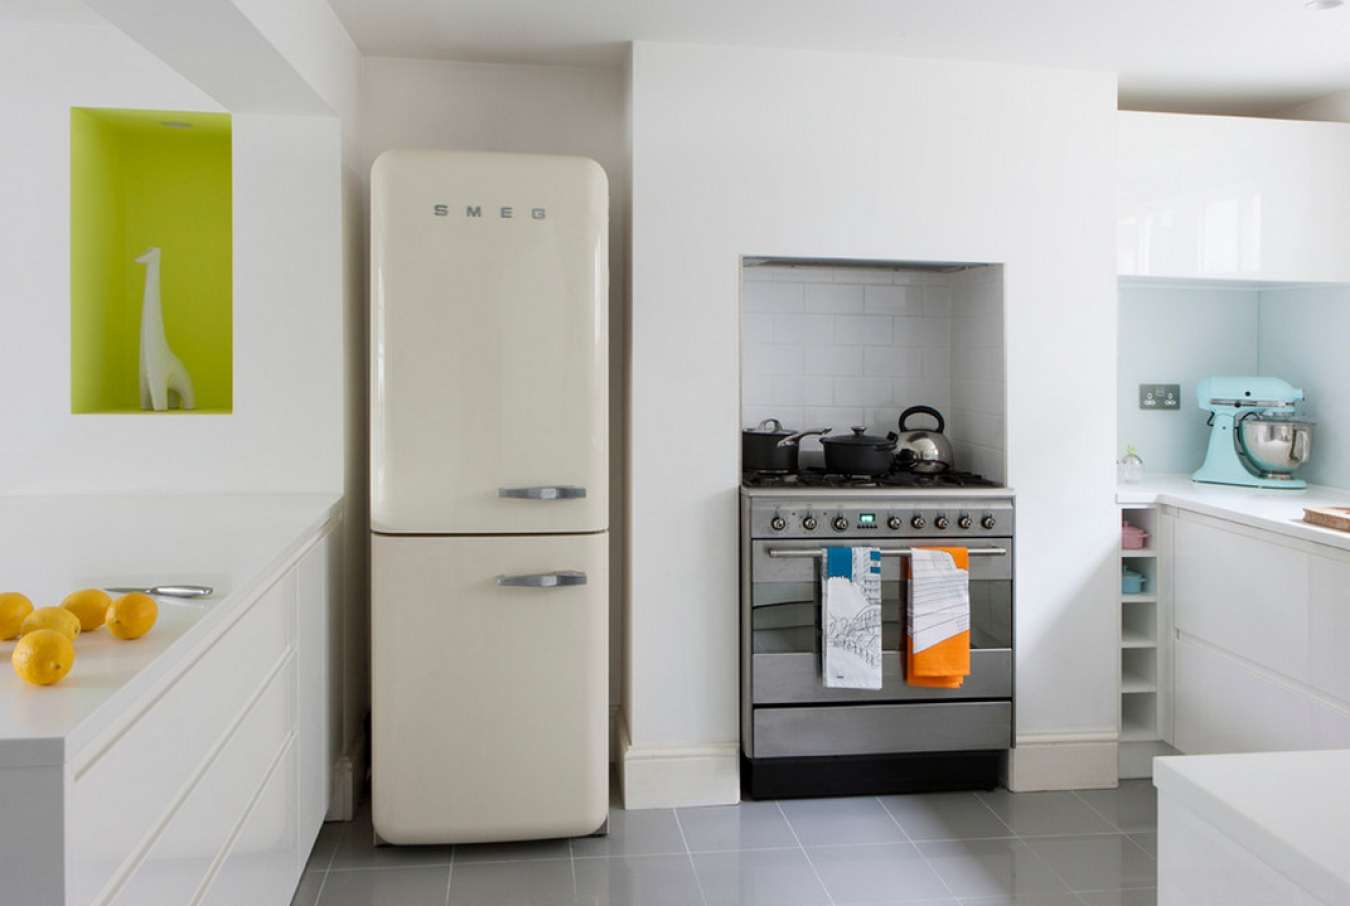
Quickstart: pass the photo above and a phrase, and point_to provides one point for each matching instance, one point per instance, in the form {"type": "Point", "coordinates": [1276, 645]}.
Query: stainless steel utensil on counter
{"type": "Point", "coordinates": [170, 591]}
{"type": "Point", "coordinates": [925, 450]}
{"type": "Point", "coordinates": [1275, 446]}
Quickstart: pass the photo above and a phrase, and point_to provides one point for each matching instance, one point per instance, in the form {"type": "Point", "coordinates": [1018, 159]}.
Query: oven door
{"type": "Point", "coordinates": [784, 625]}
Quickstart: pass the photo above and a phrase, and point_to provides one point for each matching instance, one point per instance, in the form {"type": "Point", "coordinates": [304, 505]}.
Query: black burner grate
{"type": "Point", "coordinates": [819, 478]}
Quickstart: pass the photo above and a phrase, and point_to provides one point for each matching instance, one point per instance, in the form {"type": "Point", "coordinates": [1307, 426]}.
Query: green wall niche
{"type": "Point", "coordinates": [142, 178]}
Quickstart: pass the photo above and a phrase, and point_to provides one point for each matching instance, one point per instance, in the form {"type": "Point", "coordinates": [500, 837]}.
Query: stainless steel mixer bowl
{"type": "Point", "coordinates": [1275, 445]}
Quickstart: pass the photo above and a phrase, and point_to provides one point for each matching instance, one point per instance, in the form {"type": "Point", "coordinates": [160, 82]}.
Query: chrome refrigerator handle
{"type": "Point", "coordinates": [560, 579]}
{"type": "Point", "coordinates": [544, 492]}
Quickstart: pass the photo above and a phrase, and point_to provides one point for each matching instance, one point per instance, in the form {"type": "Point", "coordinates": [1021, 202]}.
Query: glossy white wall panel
{"type": "Point", "coordinates": [1243, 594]}
{"type": "Point", "coordinates": [185, 848]}
{"type": "Point", "coordinates": [1233, 198]}
{"type": "Point", "coordinates": [260, 868]}
{"type": "Point", "coordinates": [1223, 705]}
{"type": "Point", "coordinates": [123, 790]}
{"type": "Point", "coordinates": [489, 716]}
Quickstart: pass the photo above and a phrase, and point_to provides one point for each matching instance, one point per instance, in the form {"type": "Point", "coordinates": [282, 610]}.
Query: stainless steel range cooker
{"type": "Point", "coordinates": [802, 739]}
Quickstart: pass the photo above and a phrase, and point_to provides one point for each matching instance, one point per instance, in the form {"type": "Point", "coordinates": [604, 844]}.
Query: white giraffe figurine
{"type": "Point", "coordinates": [161, 370]}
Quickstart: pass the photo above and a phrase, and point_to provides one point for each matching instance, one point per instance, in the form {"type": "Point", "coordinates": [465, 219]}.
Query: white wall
{"type": "Point", "coordinates": [977, 372]}
{"type": "Point", "coordinates": [1305, 333]}
{"type": "Point", "coordinates": [1179, 333]}
{"type": "Point", "coordinates": [285, 433]}
{"type": "Point", "coordinates": [742, 151]}
{"type": "Point", "coordinates": [526, 109]}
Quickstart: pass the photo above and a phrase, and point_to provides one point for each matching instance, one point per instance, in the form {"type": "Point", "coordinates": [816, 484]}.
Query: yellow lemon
{"type": "Point", "coordinates": [58, 618]}
{"type": "Point", "coordinates": [131, 616]}
{"type": "Point", "coordinates": [14, 607]}
{"type": "Point", "coordinates": [90, 605]}
{"type": "Point", "coordinates": [43, 657]}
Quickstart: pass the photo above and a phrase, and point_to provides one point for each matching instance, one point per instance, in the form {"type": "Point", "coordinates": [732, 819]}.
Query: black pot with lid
{"type": "Point", "coordinates": [858, 453]}
{"type": "Point", "coordinates": [769, 447]}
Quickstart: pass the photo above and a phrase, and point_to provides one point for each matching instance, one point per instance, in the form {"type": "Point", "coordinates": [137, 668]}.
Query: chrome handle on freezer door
{"type": "Point", "coordinates": [544, 492]}
{"type": "Point", "coordinates": [885, 552]}
{"type": "Point", "coordinates": [561, 578]}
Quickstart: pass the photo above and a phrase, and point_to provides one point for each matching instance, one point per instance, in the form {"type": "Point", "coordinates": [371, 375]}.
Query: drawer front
{"type": "Point", "coordinates": [121, 795]}
{"type": "Point", "coordinates": [261, 868]}
{"type": "Point", "coordinates": [789, 679]}
{"type": "Point", "coordinates": [882, 729]}
{"type": "Point", "coordinates": [189, 843]}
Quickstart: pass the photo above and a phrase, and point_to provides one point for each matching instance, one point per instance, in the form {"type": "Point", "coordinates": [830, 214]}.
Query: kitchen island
{"type": "Point", "coordinates": [190, 765]}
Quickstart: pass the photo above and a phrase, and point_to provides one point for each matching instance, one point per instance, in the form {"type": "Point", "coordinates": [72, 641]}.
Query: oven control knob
{"type": "Point", "coordinates": [840, 524]}
{"type": "Point", "coordinates": [964, 520]}
{"type": "Point", "coordinates": [778, 523]}
{"type": "Point", "coordinates": [941, 523]}
{"type": "Point", "coordinates": [918, 521]}
{"type": "Point", "coordinates": [894, 523]}
{"type": "Point", "coordinates": [809, 523]}
{"type": "Point", "coordinates": [988, 521]}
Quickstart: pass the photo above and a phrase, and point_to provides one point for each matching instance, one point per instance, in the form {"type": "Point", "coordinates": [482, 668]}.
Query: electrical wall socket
{"type": "Point", "coordinates": [1159, 396]}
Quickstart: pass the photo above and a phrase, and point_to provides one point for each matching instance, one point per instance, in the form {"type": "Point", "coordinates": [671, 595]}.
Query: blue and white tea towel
{"type": "Point", "coordinates": [851, 618]}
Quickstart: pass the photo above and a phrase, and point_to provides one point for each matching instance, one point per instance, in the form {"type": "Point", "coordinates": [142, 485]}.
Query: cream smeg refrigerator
{"type": "Point", "coordinates": [489, 507]}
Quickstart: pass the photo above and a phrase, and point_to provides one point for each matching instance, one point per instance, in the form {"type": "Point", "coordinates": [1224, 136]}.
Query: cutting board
{"type": "Point", "coordinates": [1336, 517]}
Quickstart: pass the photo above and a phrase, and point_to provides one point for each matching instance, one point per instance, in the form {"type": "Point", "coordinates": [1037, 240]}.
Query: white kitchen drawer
{"type": "Point", "coordinates": [194, 836]}
{"type": "Point", "coordinates": [122, 793]}
{"type": "Point", "coordinates": [260, 869]}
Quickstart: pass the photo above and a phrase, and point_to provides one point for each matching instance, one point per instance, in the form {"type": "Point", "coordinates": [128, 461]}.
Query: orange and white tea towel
{"type": "Point", "coordinates": [937, 623]}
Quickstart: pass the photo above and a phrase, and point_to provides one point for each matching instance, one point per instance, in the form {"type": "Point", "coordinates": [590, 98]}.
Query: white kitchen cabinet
{"type": "Point", "coordinates": [1233, 198]}
{"type": "Point", "coordinates": [1262, 626]}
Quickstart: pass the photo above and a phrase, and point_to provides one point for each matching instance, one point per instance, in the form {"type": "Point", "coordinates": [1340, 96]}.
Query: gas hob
{"type": "Point", "coordinates": [819, 478]}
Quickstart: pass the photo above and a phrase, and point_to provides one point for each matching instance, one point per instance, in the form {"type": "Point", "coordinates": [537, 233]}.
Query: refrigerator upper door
{"type": "Point", "coordinates": [489, 344]}
{"type": "Point", "coordinates": [489, 678]}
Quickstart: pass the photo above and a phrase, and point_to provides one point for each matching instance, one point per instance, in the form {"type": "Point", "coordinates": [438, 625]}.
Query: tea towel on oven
{"type": "Point", "coordinates": [937, 623]}
{"type": "Point", "coordinates": [850, 618]}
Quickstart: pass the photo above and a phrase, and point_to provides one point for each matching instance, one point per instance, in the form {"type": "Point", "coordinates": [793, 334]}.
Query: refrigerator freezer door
{"type": "Point", "coordinates": [489, 400]}
{"type": "Point", "coordinates": [490, 712]}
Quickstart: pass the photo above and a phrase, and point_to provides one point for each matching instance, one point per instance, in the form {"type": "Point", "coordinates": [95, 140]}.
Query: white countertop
{"type": "Point", "coordinates": [1272, 509]}
{"type": "Point", "coordinates": [1292, 809]}
{"type": "Point", "coordinates": [52, 545]}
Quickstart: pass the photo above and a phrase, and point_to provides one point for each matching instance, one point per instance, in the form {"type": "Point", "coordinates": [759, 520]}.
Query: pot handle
{"type": "Point", "coordinates": [793, 440]}
{"type": "Point", "coordinates": [923, 410]}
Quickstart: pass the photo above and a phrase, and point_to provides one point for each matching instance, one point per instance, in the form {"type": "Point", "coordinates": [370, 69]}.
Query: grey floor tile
{"type": "Point", "coordinates": [525, 851]}
{"type": "Point", "coordinates": [634, 881]}
{"type": "Point", "coordinates": [1121, 898]}
{"type": "Point", "coordinates": [542, 883]}
{"type": "Point", "coordinates": [386, 887]}
{"type": "Point", "coordinates": [1148, 842]}
{"type": "Point", "coordinates": [827, 822]}
{"type": "Point", "coordinates": [991, 868]}
{"type": "Point", "coordinates": [1035, 814]}
{"type": "Point", "coordinates": [766, 877]}
{"type": "Point", "coordinates": [634, 833]}
{"type": "Point", "coordinates": [750, 825]}
{"type": "Point", "coordinates": [1132, 807]}
{"type": "Point", "coordinates": [330, 835]}
{"type": "Point", "coordinates": [1098, 863]}
{"type": "Point", "coordinates": [358, 850]}
{"type": "Point", "coordinates": [307, 891]}
{"type": "Point", "coordinates": [876, 873]}
{"type": "Point", "coordinates": [945, 816]}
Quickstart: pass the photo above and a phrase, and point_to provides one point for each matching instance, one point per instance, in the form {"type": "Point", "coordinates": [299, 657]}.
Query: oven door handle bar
{"type": "Point", "coordinates": [885, 551]}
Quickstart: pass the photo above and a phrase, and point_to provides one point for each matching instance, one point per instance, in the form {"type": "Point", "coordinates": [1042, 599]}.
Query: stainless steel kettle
{"type": "Point", "coordinates": [923, 450]}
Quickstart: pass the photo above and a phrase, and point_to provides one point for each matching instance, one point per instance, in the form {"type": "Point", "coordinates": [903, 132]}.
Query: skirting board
{"type": "Point", "coordinates": [678, 777]}
{"type": "Point", "coordinates": [1063, 761]}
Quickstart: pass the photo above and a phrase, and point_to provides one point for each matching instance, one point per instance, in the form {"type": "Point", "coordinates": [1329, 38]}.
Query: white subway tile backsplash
{"type": "Point", "coordinates": [908, 332]}
{"type": "Point", "coordinates": [892, 361]}
{"type": "Point", "coordinates": [937, 302]}
{"type": "Point", "coordinates": [756, 388]}
{"type": "Point", "coordinates": [833, 298]}
{"type": "Point", "coordinates": [863, 391]}
{"type": "Point", "coordinates": [771, 298]}
{"type": "Point", "coordinates": [831, 361]}
{"type": "Point", "coordinates": [862, 330]}
{"type": "Point", "coordinates": [757, 328]}
{"type": "Point", "coordinates": [788, 416]}
{"type": "Point", "coordinates": [787, 390]}
{"type": "Point", "coordinates": [806, 330]}
{"type": "Point", "coordinates": [892, 300]}
{"type": "Point", "coordinates": [761, 359]}
{"type": "Point", "coordinates": [837, 418]}
{"type": "Point", "coordinates": [986, 397]}
{"type": "Point", "coordinates": [867, 275]}
{"type": "Point", "coordinates": [937, 363]}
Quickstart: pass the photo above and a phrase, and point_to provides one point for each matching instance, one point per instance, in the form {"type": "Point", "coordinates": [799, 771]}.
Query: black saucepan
{"type": "Point", "coordinates": [769, 447]}
{"type": "Point", "coordinates": [858, 453]}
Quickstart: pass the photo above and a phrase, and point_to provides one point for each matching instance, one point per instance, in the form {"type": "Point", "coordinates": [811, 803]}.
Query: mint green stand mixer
{"type": "Point", "coordinates": [1254, 440]}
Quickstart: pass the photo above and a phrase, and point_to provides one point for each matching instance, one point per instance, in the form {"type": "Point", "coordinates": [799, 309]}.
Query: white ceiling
{"type": "Point", "coordinates": [1251, 56]}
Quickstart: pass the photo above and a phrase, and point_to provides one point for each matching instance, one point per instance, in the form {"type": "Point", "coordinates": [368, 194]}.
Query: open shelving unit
{"type": "Point", "coordinates": [1145, 662]}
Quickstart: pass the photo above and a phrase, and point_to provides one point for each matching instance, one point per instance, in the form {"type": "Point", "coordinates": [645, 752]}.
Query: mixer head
{"type": "Point", "coordinates": [1235, 394]}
